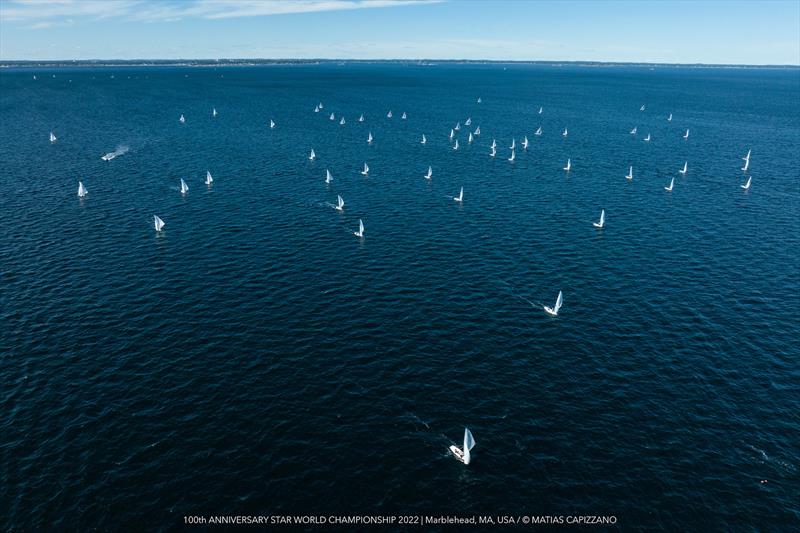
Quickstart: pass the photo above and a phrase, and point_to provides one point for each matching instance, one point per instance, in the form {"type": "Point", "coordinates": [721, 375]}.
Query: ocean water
{"type": "Point", "coordinates": [256, 358]}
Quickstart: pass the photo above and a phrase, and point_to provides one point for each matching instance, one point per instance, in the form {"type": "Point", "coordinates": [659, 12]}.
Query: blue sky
{"type": "Point", "coordinates": [716, 31]}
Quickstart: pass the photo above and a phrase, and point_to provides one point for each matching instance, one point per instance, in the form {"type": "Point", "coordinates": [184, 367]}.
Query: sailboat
{"type": "Point", "coordinates": [403, 116]}
{"type": "Point", "coordinates": [360, 232]}
{"type": "Point", "coordinates": [389, 114]}
{"type": "Point", "coordinates": [746, 186]}
{"type": "Point", "coordinates": [540, 110]}
{"type": "Point", "coordinates": [369, 138]}
{"type": "Point", "coordinates": [513, 156]}
{"type": "Point", "coordinates": [479, 98]}
{"type": "Point", "coordinates": [525, 143]}
{"type": "Point", "coordinates": [328, 177]}
{"type": "Point", "coordinates": [321, 106]}
{"type": "Point", "coordinates": [494, 143]}
{"type": "Point", "coordinates": [553, 311]}
{"type": "Point", "coordinates": [316, 109]}
{"type": "Point", "coordinates": [209, 179]}
{"type": "Point", "coordinates": [477, 131]}
{"type": "Point", "coordinates": [746, 160]}
{"type": "Point", "coordinates": [424, 140]}
{"type": "Point", "coordinates": [157, 223]}
{"type": "Point", "coordinates": [271, 124]}
{"type": "Point", "coordinates": [493, 152]}
{"type": "Point", "coordinates": [538, 131]}
{"type": "Point", "coordinates": [513, 144]}
{"type": "Point", "coordinates": [332, 117]}
{"type": "Point", "coordinates": [361, 118]}
{"type": "Point", "coordinates": [182, 119]}
{"type": "Point", "coordinates": [460, 197]}
{"type": "Point", "coordinates": [569, 165]}
{"type": "Point", "coordinates": [462, 454]}
{"type": "Point", "coordinates": [630, 173]}
{"type": "Point", "coordinates": [429, 175]}
{"type": "Point", "coordinates": [685, 167]}
{"type": "Point", "coordinates": [641, 108]}
{"type": "Point", "coordinates": [452, 134]}
{"type": "Point", "coordinates": [633, 131]}
{"type": "Point", "coordinates": [602, 221]}
{"type": "Point", "coordinates": [184, 187]}
{"type": "Point", "coordinates": [109, 156]}
{"type": "Point", "coordinates": [365, 172]}
{"type": "Point", "coordinates": [565, 133]}
{"type": "Point", "coordinates": [82, 190]}
{"type": "Point", "coordinates": [458, 126]}
{"type": "Point", "coordinates": [671, 185]}
{"type": "Point", "coordinates": [214, 112]}
{"type": "Point", "coordinates": [339, 203]}
{"type": "Point", "coordinates": [312, 156]}
{"type": "Point", "coordinates": [52, 137]}
{"type": "Point", "coordinates": [647, 139]}
{"type": "Point", "coordinates": [455, 146]}
{"type": "Point", "coordinates": [468, 122]}
{"type": "Point", "coordinates": [669, 119]}
{"type": "Point", "coordinates": [686, 135]}
{"type": "Point", "coordinates": [469, 139]}
{"type": "Point", "coordinates": [341, 122]}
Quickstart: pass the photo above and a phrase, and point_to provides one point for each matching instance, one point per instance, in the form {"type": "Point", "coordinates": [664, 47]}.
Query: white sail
{"type": "Point", "coordinates": [184, 187]}
{"type": "Point", "coordinates": [361, 118]}
{"type": "Point", "coordinates": [630, 173]}
{"type": "Point", "coordinates": [494, 143]}
{"type": "Point", "coordinates": [746, 160]}
{"type": "Point", "coordinates": [686, 135]}
{"type": "Point", "coordinates": [339, 203]}
{"type": "Point", "coordinates": [369, 138]}
{"type": "Point", "coordinates": [468, 122]}
{"type": "Point", "coordinates": [316, 109]}
{"type": "Point", "coordinates": [633, 131]}
{"type": "Point", "coordinates": [671, 184]}
{"type": "Point", "coordinates": [429, 175]}
{"type": "Point", "coordinates": [555, 309]}
{"type": "Point", "coordinates": [332, 117]}
{"type": "Point", "coordinates": [513, 144]}
{"type": "Point", "coordinates": [366, 169]}
{"type": "Point", "coordinates": [460, 196]}
{"type": "Point", "coordinates": [469, 139]}
{"type": "Point", "coordinates": [569, 165]}
{"type": "Point", "coordinates": [493, 152]}
{"type": "Point", "coordinates": [469, 443]}
{"type": "Point", "coordinates": [540, 110]}
{"type": "Point", "coordinates": [479, 98]}
{"type": "Point", "coordinates": [685, 167]}
{"type": "Point", "coordinates": [341, 122]}
{"type": "Point", "coordinates": [647, 139]}
{"type": "Point", "coordinates": [477, 131]}
{"type": "Point", "coordinates": [403, 116]}
{"type": "Point", "coordinates": [669, 119]}
{"type": "Point", "coordinates": [641, 108]}
{"type": "Point", "coordinates": [209, 179]}
{"type": "Point", "coordinates": [458, 126]}
{"type": "Point", "coordinates": [538, 131]}
{"type": "Point", "coordinates": [602, 220]}
{"type": "Point", "coordinates": [81, 190]}
{"type": "Point", "coordinates": [328, 177]}
{"type": "Point", "coordinates": [312, 156]}
{"type": "Point", "coordinates": [157, 223]}
{"type": "Point", "coordinates": [565, 133]}
{"type": "Point", "coordinates": [424, 140]}
{"type": "Point", "coordinates": [321, 106]}
{"type": "Point", "coordinates": [455, 146]}
{"type": "Point", "coordinates": [747, 185]}
{"type": "Point", "coordinates": [389, 114]}
{"type": "Point", "coordinates": [271, 124]}
{"type": "Point", "coordinates": [360, 232]}
{"type": "Point", "coordinates": [52, 137]}
{"type": "Point", "coordinates": [525, 143]}
{"type": "Point", "coordinates": [513, 156]}
{"type": "Point", "coordinates": [452, 134]}
{"type": "Point", "coordinates": [182, 119]}
{"type": "Point", "coordinates": [214, 112]}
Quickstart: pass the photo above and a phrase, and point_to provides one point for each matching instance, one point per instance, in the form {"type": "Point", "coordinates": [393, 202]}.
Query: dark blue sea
{"type": "Point", "coordinates": [256, 358]}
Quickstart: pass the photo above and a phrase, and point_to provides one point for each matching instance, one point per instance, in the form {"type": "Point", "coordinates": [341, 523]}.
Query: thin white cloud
{"type": "Point", "coordinates": [149, 10]}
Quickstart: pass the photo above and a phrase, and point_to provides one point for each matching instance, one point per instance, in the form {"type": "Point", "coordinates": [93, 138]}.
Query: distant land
{"type": "Point", "coordinates": [59, 63]}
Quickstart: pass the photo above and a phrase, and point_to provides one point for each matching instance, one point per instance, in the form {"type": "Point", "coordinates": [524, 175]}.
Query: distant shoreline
{"type": "Point", "coordinates": [411, 62]}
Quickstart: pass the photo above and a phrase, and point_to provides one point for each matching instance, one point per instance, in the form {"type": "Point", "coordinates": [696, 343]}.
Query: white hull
{"type": "Point", "coordinates": [109, 156]}
{"type": "Point", "coordinates": [549, 311]}
{"type": "Point", "coordinates": [455, 450]}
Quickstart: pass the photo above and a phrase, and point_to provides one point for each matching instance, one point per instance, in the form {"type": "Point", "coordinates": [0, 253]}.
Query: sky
{"type": "Point", "coordinates": [679, 31]}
